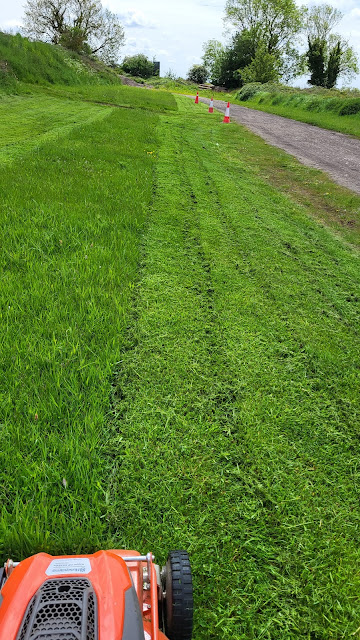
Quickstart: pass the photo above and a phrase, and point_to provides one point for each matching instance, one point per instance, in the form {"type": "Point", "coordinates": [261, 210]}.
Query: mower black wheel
{"type": "Point", "coordinates": [178, 604]}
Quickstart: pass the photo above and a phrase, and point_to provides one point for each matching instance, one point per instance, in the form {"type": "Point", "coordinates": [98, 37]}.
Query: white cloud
{"type": "Point", "coordinates": [135, 19]}
{"type": "Point", "coordinates": [355, 13]}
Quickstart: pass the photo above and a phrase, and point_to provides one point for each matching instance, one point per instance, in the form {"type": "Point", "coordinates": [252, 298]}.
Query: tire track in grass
{"type": "Point", "coordinates": [236, 396]}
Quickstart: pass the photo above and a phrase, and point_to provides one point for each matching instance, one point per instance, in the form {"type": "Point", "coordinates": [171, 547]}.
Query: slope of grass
{"type": "Point", "coordinates": [27, 121]}
{"type": "Point", "coordinates": [71, 218]}
{"type": "Point", "coordinates": [328, 109]}
{"type": "Point", "coordinates": [236, 406]}
{"type": "Point", "coordinates": [45, 64]}
{"type": "Point", "coordinates": [119, 96]}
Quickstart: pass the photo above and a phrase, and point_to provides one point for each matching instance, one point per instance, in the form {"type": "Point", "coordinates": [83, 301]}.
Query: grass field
{"type": "Point", "coordinates": [180, 361]}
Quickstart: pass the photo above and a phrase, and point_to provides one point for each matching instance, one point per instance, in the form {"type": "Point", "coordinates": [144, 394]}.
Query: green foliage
{"type": "Point", "coordinates": [213, 59]}
{"type": "Point", "coordinates": [8, 81]}
{"type": "Point", "coordinates": [334, 65]}
{"type": "Point", "coordinates": [41, 63]}
{"type": "Point", "coordinates": [198, 73]}
{"type": "Point", "coordinates": [248, 91]}
{"type": "Point", "coordinates": [73, 38]}
{"type": "Point", "coordinates": [329, 56]}
{"type": "Point", "coordinates": [264, 67]}
{"type": "Point", "coordinates": [276, 23]}
{"type": "Point", "coordinates": [225, 64]}
{"type": "Point", "coordinates": [316, 62]}
{"type": "Point", "coordinates": [350, 107]}
{"type": "Point", "coordinates": [138, 65]}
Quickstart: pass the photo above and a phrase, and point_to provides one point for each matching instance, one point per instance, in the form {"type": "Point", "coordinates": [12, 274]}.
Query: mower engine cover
{"type": "Point", "coordinates": [94, 597]}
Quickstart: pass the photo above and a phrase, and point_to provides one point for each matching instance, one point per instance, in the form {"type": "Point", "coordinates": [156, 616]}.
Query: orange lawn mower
{"type": "Point", "coordinates": [109, 595]}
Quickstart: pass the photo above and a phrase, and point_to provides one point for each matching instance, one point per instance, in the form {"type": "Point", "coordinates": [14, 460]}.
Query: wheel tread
{"type": "Point", "coordinates": [179, 627]}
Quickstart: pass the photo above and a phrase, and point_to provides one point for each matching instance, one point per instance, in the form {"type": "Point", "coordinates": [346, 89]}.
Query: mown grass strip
{"type": "Point", "coordinates": [28, 121]}
{"type": "Point", "coordinates": [236, 403]}
{"type": "Point", "coordinates": [72, 217]}
{"type": "Point", "coordinates": [139, 98]}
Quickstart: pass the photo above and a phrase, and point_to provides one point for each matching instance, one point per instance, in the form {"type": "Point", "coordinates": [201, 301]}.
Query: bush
{"type": "Point", "coordinates": [350, 107]}
{"type": "Point", "coordinates": [138, 65]}
{"type": "Point", "coordinates": [248, 91]}
{"type": "Point", "coordinates": [197, 73]}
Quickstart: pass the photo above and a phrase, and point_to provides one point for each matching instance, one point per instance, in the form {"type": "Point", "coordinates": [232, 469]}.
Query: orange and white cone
{"type": "Point", "coordinates": [227, 114]}
{"type": "Point", "coordinates": [211, 108]}
{"type": "Point", "coordinates": [197, 98]}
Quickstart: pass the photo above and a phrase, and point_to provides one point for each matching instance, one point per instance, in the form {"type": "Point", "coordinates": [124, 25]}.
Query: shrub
{"type": "Point", "coordinates": [138, 65]}
{"type": "Point", "coordinates": [248, 91]}
{"type": "Point", "coordinates": [350, 107]}
{"type": "Point", "coordinates": [197, 73]}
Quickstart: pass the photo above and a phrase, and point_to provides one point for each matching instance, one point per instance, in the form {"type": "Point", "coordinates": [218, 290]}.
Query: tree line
{"type": "Point", "coordinates": [265, 41]}
{"type": "Point", "coordinates": [263, 45]}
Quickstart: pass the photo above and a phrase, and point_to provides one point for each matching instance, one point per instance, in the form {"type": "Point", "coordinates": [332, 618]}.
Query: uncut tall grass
{"type": "Point", "coordinates": [73, 212]}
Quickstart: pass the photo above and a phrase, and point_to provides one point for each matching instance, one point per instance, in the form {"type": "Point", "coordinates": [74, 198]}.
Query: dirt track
{"type": "Point", "coordinates": [335, 153]}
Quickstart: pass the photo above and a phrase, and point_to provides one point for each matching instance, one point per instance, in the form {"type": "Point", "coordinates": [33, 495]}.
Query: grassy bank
{"type": "Point", "coordinates": [339, 111]}
{"type": "Point", "coordinates": [38, 63]}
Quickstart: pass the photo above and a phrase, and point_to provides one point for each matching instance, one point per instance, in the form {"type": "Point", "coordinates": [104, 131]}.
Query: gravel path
{"type": "Point", "coordinates": [335, 153]}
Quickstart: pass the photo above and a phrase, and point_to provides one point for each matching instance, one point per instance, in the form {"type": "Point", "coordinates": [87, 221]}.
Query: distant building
{"type": "Point", "coordinates": [156, 68]}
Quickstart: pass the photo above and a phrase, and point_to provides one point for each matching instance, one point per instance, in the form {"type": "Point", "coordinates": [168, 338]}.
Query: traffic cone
{"type": "Point", "coordinates": [211, 108]}
{"type": "Point", "coordinates": [197, 98]}
{"type": "Point", "coordinates": [227, 114]}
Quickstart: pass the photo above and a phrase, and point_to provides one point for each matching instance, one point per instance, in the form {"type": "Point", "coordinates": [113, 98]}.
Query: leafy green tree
{"type": "Point", "coordinates": [224, 62]}
{"type": "Point", "coordinates": [264, 67]}
{"type": "Point", "coordinates": [316, 61]}
{"type": "Point", "coordinates": [276, 23]}
{"type": "Point", "coordinates": [329, 56]}
{"type": "Point", "coordinates": [212, 57]}
{"type": "Point", "coordinates": [138, 65]}
{"type": "Point", "coordinates": [333, 66]}
{"type": "Point", "coordinates": [198, 73]}
{"type": "Point", "coordinates": [81, 25]}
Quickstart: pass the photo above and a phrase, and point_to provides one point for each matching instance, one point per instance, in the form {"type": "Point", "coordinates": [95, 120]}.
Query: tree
{"type": "Point", "coordinates": [198, 73]}
{"type": "Point", "coordinates": [224, 63]}
{"type": "Point", "coordinates": [264, 67]}
{"type": "Point", "coordinates": [329, 56]}
{"type": "Point", "coordinates": [138, 65]}
{"type": "Point", "coordinates": [212, 58]}
{"type": "Point", "coordinates": [81, 25]}
{"type": "Point", "coordinates": [320, 20]}
{"type": "Point", "coordinates": [333, 66]}
{"type": "Point", "coordinates": [275, 23]}
{"type": "Point", "coordinates": [316, 61]}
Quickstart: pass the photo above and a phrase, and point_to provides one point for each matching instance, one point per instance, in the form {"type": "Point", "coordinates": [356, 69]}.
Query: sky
{"type": "Point", "coordinates": [174, 32]}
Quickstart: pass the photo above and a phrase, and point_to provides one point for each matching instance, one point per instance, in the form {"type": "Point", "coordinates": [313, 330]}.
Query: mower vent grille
{"type": "Point", "coordinates": [62, 609]}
